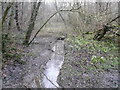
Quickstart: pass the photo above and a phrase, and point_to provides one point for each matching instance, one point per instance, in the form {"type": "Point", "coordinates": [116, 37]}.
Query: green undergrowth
{"type": "Point", "coordinates": [10, 51]}
{"type": "Point", "coordinates": [104, 53]}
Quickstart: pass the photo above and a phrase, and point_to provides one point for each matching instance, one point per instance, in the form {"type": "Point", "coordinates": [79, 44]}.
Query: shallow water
{"type": "Point", "coordinates": [54, 65]}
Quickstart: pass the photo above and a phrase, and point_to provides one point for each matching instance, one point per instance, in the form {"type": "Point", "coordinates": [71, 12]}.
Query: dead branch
{"type": "Point", "coordinates": [113, 19]}
{"type": "Point", "coordinates": [49, 79]}
{"type": "Point", "coordinates": [71, 10]}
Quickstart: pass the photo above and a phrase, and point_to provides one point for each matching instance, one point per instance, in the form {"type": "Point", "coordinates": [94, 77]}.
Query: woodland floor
{"type": "Point", "coordinates": [87, 63]}
{"type": "Point", "coordinates": [80, 70]}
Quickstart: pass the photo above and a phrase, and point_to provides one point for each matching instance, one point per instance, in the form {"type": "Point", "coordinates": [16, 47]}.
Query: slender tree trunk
{"type": "Point", "coordinates": [119, 32]}
{"type": "Point", "coordinates": [10, 20]}
{"type": "Point", "coordinates": [4, 24]}
{"type": "Point", "coordinates": [119, 12]}
{"type": "Point", "coordinates": [32, 22]}
{"type": "Point", "coordinates": [17, 17]}
{"type": "Point", "coordinates": [59, 13]}
{"type": "Point", "coordinates": [5, 12]}
{"type": "Point", "coordinates": [22, 11]}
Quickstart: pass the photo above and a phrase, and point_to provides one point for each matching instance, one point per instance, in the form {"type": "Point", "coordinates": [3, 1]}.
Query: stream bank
{"type": "Point", "coordinates": [79, 70]}
{"type": "Point", "coordinates": [46, 56]}
{"type": "Point", "coordinates": [76, 71]}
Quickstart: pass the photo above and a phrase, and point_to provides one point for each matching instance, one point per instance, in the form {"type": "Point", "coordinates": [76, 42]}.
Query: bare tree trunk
{"type": "Point", "coordinates": [22, 11]}
{"type": "Point", "coordinates": [4, 24]}
{"type": "Point", "coordinates": [10, 20]}
{"type": "Point", "coordinates": [119, 31]}
{"type": "Point", "coordinates": [6, 12]}
{"type": "Point", "coordinates": [32, 22]}
{"type": "Point", "coordinates": [119, 12]}
{"type": "Point", "coordinates": [59, 13]}
{"type": "Point", "coordinates": [17, 17]}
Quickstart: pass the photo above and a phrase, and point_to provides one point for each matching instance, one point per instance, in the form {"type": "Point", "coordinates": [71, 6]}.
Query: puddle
{"type": "Point", "coordinates": [53, 66]}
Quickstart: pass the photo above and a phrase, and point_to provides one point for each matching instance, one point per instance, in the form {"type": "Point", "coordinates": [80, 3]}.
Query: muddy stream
{"type": "Point", "coordinates": [44, 69]}
{"type": "Point", "coordinates": [54, 65]}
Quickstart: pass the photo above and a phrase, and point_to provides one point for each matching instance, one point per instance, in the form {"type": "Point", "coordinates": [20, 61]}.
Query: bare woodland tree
{"type": "Point", "coordinates": [10, 20]}
{"type": "Point", "coordinates": [119, 12]}
{"type": "Point", "coordinates": [34, 13]}
{"type": "Point", "coordinates": [56, 7]}
{"type": "Point", "coordinates": [5, 33]}
{"type": "Point", "coordinates": [5, 12]}
{"type": "Point", "coordinates": [81, 19]}
{"type": "Point", "coordinates": [17, 16]}
{"type": "Point", "coordinates": [119, 24]}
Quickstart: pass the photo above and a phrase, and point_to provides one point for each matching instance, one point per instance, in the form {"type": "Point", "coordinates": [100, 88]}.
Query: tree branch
{"type": "Point", "coordinates": [71, 10]}
{"type": "Point", "coordinates": [113, 19]}
{"type": "Point", "coordinates": [49, 79]}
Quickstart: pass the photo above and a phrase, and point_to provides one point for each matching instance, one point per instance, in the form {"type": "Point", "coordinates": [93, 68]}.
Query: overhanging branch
{"type": "Point", "coordinates": [71, 10]}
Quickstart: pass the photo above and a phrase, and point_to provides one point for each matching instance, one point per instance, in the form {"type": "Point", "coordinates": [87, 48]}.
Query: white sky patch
{"type": "Point", "coordinates": [48, 1]}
